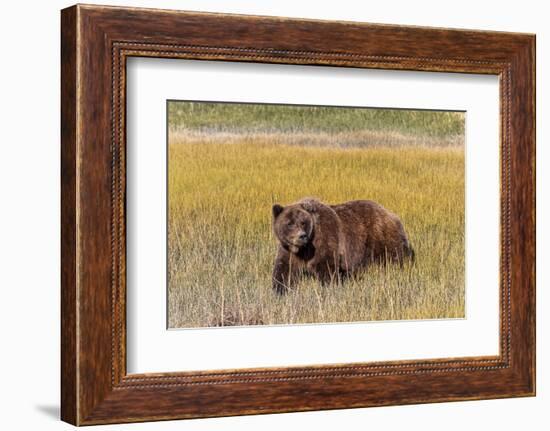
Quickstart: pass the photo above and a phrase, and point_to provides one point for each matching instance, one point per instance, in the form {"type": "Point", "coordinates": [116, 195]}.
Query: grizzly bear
{"type": "Point", "coordinates": [329, 241]}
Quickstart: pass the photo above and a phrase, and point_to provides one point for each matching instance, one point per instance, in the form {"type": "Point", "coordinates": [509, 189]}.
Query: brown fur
{"type": "Point", "coordinates": [331, 240]}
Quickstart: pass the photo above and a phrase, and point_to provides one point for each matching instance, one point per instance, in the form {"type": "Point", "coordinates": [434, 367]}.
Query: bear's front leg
{"type": "Point", "coordinates": [283, 272]}
{"type": "Point", "coordinates": [326, 270]}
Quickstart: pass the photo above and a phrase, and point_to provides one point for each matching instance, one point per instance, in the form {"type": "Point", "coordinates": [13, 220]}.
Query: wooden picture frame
{"type": "Point", "coordinates": [95, 43]}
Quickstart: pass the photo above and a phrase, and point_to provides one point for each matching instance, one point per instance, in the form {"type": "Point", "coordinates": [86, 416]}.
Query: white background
{"type": "Point", "coordinates": [151, 348]}
{"type": "Point", "coordinates": [29, 224]}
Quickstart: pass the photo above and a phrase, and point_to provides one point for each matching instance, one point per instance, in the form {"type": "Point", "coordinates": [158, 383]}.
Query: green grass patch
{"type": "Point", "coordinates": [254, 118]}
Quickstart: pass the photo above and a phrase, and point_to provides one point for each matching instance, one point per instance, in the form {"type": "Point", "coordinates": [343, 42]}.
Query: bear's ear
{"type": "Point", "coordinates": [277, 209]}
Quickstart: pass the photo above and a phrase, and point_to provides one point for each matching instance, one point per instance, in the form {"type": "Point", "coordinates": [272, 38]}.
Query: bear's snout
{"type": "Point", "coordinates": [300, 238]}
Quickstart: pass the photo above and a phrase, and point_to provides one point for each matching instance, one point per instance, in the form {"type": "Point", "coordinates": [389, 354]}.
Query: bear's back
{"type": "Point", "coordinates": [370, 231]}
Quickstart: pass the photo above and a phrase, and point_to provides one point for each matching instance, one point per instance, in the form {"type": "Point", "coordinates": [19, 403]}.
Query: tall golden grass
{"type": "Point", "coordinates": [221, 247]}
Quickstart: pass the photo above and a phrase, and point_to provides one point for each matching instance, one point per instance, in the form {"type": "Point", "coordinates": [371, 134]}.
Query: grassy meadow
{"type": "Point", "coordinates": [228, 164]}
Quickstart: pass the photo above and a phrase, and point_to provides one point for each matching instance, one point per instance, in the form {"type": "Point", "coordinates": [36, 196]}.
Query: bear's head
{"type": "Point", "coordinates": [293, 226]}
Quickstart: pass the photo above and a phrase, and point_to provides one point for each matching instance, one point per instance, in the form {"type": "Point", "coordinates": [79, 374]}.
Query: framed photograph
{"type": "Point", "coordinates": [263, 214]}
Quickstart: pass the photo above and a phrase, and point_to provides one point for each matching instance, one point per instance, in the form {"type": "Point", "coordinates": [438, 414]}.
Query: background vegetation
{"type": "Point", "coordinates": [250, 118]}
{"type": "Point", "coordinates": [229, 163]}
